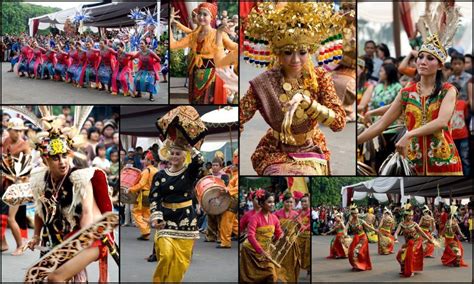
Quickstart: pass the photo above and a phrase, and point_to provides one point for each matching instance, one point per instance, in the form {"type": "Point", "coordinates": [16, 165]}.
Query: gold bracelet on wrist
{"type": "Point", "coordinates": [324, 114]}
{"type": "Point", "coordinates": [312, 108]}
{"type": "Point", "coordinates": [331, 117]}
{"type": "Point", "coordinates": [306, 102]}
{"type": "Point", "coordinates": [317, 110]}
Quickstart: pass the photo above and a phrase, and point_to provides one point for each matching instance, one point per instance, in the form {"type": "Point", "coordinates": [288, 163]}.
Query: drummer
{"type": "Point", "coordinates": [212, 232]}
{"type": "Point", "coordinates": [228, 221]}
{"type": "Point", "coordinates": [141, 208]}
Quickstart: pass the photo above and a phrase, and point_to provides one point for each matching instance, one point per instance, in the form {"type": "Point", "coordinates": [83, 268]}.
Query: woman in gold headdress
{"type": "Point", "coordinates": [204, 86]}
{"type": "Point", "coordinates": [293, 96]}
{"type": "Point", "coordinates": [385, 239]}
{"type": "Point", "coordinates": [453, 251]}
{"type": "Point", "coordinates": [427, 106]}
{"type": "Point", "coordinates": [427, 224]}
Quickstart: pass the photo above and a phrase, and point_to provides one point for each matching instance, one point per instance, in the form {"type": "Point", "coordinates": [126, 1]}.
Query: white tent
{"type": "Point", "coordinates": [110, 15]}
{"type": "Point", "coordinates": [407, 187]}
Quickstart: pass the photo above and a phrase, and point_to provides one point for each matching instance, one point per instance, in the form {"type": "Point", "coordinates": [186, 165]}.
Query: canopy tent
{"type": "Point", "coordinates": [419, 187]}
{"type": "Point", "coordinates": [104, 15]}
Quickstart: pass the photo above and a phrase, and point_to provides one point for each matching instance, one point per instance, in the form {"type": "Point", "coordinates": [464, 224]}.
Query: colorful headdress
{"type": "Point", "coordinates": [386, 210]}
{"type": "Point", "coordinates": [438, 29]}
{"type": "Point", "coordinates": [210, 7]}
{"type": "Point", "coordinates": [16, 123]}
{"type": "Point", "coordinates": [55, 139]}
{"type": "Point", "coordinates": [407, 209]}
{"type": "Point", "coordinates": [353, 208]}
{"type": "Point", "coordinates": [338, 214]}
{"type": "Point", "coordinates": [426, 209]}
{"type": "Point", "coordinates": [453, 210]}
{"type": "Point", "coordinates": [272, 28]}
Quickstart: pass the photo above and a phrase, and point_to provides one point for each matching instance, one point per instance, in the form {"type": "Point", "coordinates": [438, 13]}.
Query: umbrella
{"type": "Point", "coordinates": [226, 116]}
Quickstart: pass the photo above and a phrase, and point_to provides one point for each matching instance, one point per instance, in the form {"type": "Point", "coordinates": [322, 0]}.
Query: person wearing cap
{"type": "Point", "coordinates": [132, 156]}
{"type": "Point", "coordinates": [141, 209]}
{"type": "Point", "coordinates": [427, 224]}
{"type": "Point", "coordinates": [172, 210]}
{"type": "Point", "coordinates": [410, 255]}
{"type": "Point", "coordinates": [385, 239]}
{"type": "Point", "coordinates": [427, 106]}
{"type": "Point", "coordinates": [453, 254]}
{"type": "Point", "coordinates": [359, 257]}
{"type": "Point", "coordinates": [14, 144]}
{"type": "Point", "coordinates": [204, 86]}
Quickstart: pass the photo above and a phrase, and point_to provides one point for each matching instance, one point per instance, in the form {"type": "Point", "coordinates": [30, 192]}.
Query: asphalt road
{"type": "Point", "coordinates": [208, 264]}
{"type": "Point", "coordinates": [341, 144]}
{"type": "Point", "coordinates": [14, 267]}
{"type": "Point", "coordinates": [385, 268]}
{"type": "Point", "coordinates": [16, 90]}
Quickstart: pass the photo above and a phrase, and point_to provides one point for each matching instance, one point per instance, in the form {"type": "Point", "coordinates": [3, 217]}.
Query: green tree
{"type": "Point", "coordinates": [15, 16]}
{"type": "Point", "coordinates": [327, 190]}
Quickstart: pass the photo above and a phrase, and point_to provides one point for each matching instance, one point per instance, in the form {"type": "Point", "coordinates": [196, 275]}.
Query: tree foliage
{"type": "Point", "coordinates": [327, 190]}
{"type": "Point", "coordinates": [15, 16]}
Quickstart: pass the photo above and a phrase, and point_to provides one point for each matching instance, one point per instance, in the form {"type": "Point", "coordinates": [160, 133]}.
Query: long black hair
{"type": "Point", "coordinates": [438, 80]}
{"type": "Point", "coordinates": [391, 73]}
{"type": "Point", "coordinates": [262, 198]}
{"type": "Point", "coordinates": [384, 48]}
{"type": "Point", "coordinates": [369, 66]}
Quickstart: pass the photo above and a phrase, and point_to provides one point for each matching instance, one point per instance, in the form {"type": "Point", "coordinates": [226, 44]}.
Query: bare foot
{"type": "Point", "coordinates": [18, 251]}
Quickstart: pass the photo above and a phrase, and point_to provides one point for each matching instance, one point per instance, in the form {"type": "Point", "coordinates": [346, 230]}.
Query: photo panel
{"type": "Point", "coordinates": [179, 193]}
{"type": "Point", "coordinates": [399, 96]}
{"type": "Point", "coordinates": [401, 229]}
{"type": "Point", "coordinates": [72, 52]}
{"type": "Point", "coordinates": [298, 88]}
{"type": "Point", "coordinates": [60, 167]}
{"type": "Point", "coordinates": [275, 229]}
{"type": "Point", "coordinates": [204, 43]}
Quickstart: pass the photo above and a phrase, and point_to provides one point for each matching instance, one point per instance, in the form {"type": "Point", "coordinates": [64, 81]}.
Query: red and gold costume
{"type": "Point", "coordinates": [293, 145]}
{"type": "Point", "coordinates": [427, 225]}
{"type": "Point", "coordinates": [304, 238]}
{"type": "Point", "coordinates": [385, 239]}
{"type": "Point", "coordinates": [359, 248]}
{"type": "Point", "coordinates": [253, 266]}
{"type": "Point", "coordinates": [290, 265]}
{"type": "Point", "coordinates": [453, 254]}
{"type": "Point", "coordinates": [410, 255]}
{"type": "Point", "coordinates": [337, 247]}
{"type": "Point", "coordinates": [436, 153]}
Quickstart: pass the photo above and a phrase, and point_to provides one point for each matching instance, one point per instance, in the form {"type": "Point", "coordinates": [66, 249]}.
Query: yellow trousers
{"type": "Point", "coordinates": [235, 226]}
{"type": "Point", "coordinates": [174, 257]}
{"type": "Point", "coordinates": [226, 227]}
{"type": "Point", "coordinates": [141, 215]}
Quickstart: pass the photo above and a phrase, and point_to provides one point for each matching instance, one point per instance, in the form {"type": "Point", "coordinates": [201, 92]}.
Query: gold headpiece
{"type": "Point", "coordinates": [407, 209]}
{"type": "Point", "coordinates": [426, 209]}
{"type": "Point", "coordinates": [272, 28]}
{"type": "Point", "coordinates": [353, 208]}
{"type": "Point", "coordinates": [438, 29]}
{"type": "Point", "coordinates": [452, 210]}
{"type": "Point", "coordinates": [386, 210]}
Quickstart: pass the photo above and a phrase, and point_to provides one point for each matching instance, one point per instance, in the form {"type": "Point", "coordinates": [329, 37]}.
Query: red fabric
{"type": "Point", "coordinates": [4, 224]}
{"type": "Point", "coordinates": [244, 221]}
{"type": "Point", "coordinates": [24, 233]}
{"type": "Point", "coordinates": [449, 257]}
{"type": "Point", "coordinates": [413, 257]}
{"type": "Point", "coordinates": [220, 93]}
{"type": "Point", "coordinates": [211, 7]}
{"type": "Point", "coordinates": [429, 249]}
{"type": "Point", "coordinates": [406, 17]}
{"type": "Point", "coordinates": [183, 13]}
{"type": "Point", "coordinates": [363, 259]}
{"type": "Point", "coordinates": [458, 121]}
{"type": "Point", "coordinates": [35, 26]}
{"type": "Point", "coordinates": [258, 220]}
{"type": "Point", "coordinates": [101, 191]}
{"type": "Point", "coordinates": [336, 249]}
{"type": "Point", "coordinates": [443, 219]}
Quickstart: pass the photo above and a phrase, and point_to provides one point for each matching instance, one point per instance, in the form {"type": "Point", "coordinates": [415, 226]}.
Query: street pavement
{"type": "Point", "coordinates": [385, 268]}
{"type": "Point", "coordinates": [178, 92]}
{"type": "Point", "coordinates": [15, 267]}
{"type": "Point", "coordinates": [16, 90]}
{"type": "Point", "coordinates": [208, 264]}
{"type": "Point", "coordinates": [341, 144]}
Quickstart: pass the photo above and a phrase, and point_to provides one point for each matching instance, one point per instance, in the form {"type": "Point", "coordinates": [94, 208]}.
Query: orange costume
{"type": "Point", "coordinates": [359, 248]}
{"type": "Point", "coordinates": [453, 251]}
{"type": "Point", "coordinates": [204, 86]}
{"type": "Point", "coordinates": [337, 248]}
{"type": "Point", "coordinates": [410, 255]}
{"type": "Point", "coordinates": [426, 224]}
{"type": "Point", "coordinates": [386, 239]}
{"type": "Point", "coordinates": [141, 209]}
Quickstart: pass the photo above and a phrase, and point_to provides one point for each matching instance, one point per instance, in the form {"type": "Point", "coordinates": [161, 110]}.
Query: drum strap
{"type": "Point", "coordinates": [177, 205]}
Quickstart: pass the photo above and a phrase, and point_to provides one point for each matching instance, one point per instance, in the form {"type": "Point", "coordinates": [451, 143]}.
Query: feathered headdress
{"type": "Point", "coordinates": [149, 19]}
{"type": "Point", "coordinates": [407, 209]}
{"type": "Point", "coordinates": [136, 14]}
{"type": "Point", "coordinates": [427, 209]}
{"type": "Point", "coordinates": [353, 208]}
{"type": "Point", "coordinates": [438, 29]}
{"type": "Point", "coordinates": [81, 16]}
{"type": "Point", "coordinates": [386, 210]}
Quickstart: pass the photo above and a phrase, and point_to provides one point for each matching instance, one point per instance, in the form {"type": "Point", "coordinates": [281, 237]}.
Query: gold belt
{"type": "Point", "coordinates": [299, 139]}
{"type": "Point", "coordinates": [177, 205]}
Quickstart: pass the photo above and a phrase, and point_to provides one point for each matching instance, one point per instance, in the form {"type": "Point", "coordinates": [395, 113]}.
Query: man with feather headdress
{"type": "Point", "coordinates": [67, 199]}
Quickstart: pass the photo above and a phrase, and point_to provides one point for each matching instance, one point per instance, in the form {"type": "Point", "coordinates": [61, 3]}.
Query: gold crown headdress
{"type": "Point", "coordinates": [271, 28]}
{"type": "Point", "coordinates": [54, 138]}
{"type": "Point", "coordinates": [386, 210]}
{"type": "Point", "coordinates": [438, 29]}
{"type": "Point", "coordinates": [426, 209]}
